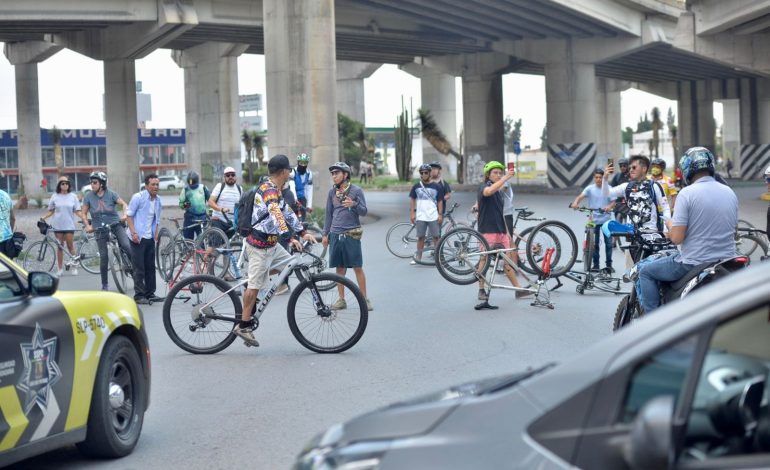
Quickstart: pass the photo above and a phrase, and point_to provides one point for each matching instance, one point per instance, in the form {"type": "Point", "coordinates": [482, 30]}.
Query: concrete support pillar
{"type": "Point", "coordinates": [300, 66]}
{"type": "Point", "coordinates": [438, 96]}
{"type": "Point", "coordinates": [754, 122]}
{"type": "Point", "coordinates": [28, 126]}
{"type": "Point", "coordinates": [120, 120]}
{"type": "Point", "coordinates": [609, 142]}
{"type": "Point", "coordinates": [25, 57]}
{"type": "Point", "coordinates": [483, 122]}
{"type": "Point", "coordinates": [211, 102]}
{"type": "Point", "coordinates": [571, 106]}
{"type": "Point", "coordinates": [350, 88]}
{"type": "Point", "coordinates": [731, 130]}
{"type": "Point", "coordinates": [696, 115]}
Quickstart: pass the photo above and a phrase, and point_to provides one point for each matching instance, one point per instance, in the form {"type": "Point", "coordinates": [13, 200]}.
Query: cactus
{"type": "Point", "coordinates": [403, 135]}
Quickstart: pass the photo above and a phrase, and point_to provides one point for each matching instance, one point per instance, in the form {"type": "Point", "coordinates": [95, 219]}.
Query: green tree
{"type": "Point", "coordinates": [248, 145]}
{"type": "Point", "coordinates": [544, 138]}
{"type": "Point", "coordinates": [627, 136]}
{"type": "Point", "coordinates": [672, 132]}
{"type": "Point", "coordinates": [352, 140]}
{"type": "Point", "coordinates": [438, 140]}
{"type": "Point", "coordinates": [403, 134]}
{"type": "Point", "coordinates": [512, 131]}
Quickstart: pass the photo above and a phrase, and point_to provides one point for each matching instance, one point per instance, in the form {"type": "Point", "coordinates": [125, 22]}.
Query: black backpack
{"type": "Point", "coordinates": [242, 213]}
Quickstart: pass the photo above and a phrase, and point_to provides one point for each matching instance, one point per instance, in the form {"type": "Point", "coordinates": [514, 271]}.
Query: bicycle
{"type": "Point", "coordinates": [401, 239]}
{"type": "Point", "coordinates": [589, 279]}
{"type": "Point", "coordinates": [748, 240]}
{"type": "Point", "coordinates": [464, 257]}
{"type": "Point", "coordinates": [41, 255]}
{"type": "Point", "coordinates": [200, 312]}
{"type": "Point", "coordinates": [171, 250]}
{"type": "Point", "coordinates": [120, 262]}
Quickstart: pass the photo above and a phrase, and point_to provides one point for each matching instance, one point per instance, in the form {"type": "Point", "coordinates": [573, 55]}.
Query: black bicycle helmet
{"type": "Point", "coordinates": [341, 166]}
{"type": "Point", "coordinates": [192, 178]}
{"type": "Point", "coordinates": [623, 161]}
{"type": "Point", "coordinates": [659, 162]}
{"type": "Point", "coordinates": [435, 164]}
{"type": "Point", "coordinates": [424, 167]}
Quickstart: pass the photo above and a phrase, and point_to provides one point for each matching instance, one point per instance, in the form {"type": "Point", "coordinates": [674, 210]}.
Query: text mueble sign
{"type": "Point", "coordinates": [250, 102]}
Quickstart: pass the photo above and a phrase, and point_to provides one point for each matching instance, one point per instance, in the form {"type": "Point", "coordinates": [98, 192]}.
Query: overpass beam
{"type": "Point", "coordinates": [211, 108]}
{"type": "Point", "coordinates": [438, 91]}
{"type": "Point", "coordinates": [300, 67]}
{"type": "Point", "coordinates": [350, 88]}
{"type": "Point", "coordinates": [120, 120]}
{"type": "Point", "coordinates": [24, 56]}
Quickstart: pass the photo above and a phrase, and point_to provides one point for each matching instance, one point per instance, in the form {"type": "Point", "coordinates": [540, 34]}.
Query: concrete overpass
{"type": "Point", "coordinates": [317, 54]}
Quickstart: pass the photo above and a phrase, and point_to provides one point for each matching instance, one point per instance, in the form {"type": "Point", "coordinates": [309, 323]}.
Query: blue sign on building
{"type": "Point", "coordinates": [97, 137]}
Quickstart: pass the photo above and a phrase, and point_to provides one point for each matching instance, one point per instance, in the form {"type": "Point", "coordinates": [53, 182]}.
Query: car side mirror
{"type": "Point", "coordinates": [649, 446]}
{"type": "Point", "coordinates": [42, 283]}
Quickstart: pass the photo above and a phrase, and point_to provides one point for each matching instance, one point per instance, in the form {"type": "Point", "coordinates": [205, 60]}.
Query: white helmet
{"type": "Point", "coordinates": [767, 172]}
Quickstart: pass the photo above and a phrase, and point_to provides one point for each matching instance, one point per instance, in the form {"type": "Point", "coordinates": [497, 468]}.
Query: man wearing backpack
{"type": "Point", "coordinates": [223, 198]}
{"type": "Point", "coordinates": [270, 218]}
{"type": "Point", "coordinates": [647, 201]}
{"type": "Point", "coordinates": [193, 200]}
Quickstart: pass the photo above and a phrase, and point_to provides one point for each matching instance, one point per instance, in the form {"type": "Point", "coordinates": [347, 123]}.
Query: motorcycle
{"type": "Point", "coordinates": [644, 249]}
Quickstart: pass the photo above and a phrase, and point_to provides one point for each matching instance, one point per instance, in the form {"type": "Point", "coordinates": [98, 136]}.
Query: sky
{"type": "Point", "coordinates": [71, 88]}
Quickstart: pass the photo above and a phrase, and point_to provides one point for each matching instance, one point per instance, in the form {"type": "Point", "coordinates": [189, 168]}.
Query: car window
{"type": "Point", "coordinates": [661, 374]}
{"type": "Point", "coordinates": [730, 416]}
{"type": "Point", "coordinates": [9, 284]}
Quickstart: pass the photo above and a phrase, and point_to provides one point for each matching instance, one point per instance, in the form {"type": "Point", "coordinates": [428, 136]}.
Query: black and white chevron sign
{"type": "Point", "coordinates": [754, 159]}
{"type": "Point", "coordinates": [571, 165]}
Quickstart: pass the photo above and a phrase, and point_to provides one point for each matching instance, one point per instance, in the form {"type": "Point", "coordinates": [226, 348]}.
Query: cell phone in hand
{"type": "Point", "coordinates": [610, 162]}
{"type": "Point", "coordinates": [510, 166]}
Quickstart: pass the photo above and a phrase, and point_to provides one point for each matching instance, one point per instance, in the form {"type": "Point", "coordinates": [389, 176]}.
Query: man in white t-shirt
{"type": "Point", "coordinates": [603, 205]}
{"type": "Point", "coordinates": [223, 199]}
{"type": "Point", "coordinates": [427, 201]}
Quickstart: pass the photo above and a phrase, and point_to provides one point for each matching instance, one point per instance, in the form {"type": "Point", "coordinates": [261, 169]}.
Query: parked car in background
{"type": "Point", "coordinates": [74, 368]}
{"type": "Point", "coordinates": [685, 388]}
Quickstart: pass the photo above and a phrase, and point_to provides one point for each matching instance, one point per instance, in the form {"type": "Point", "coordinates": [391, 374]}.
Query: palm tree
{"type": "Point", "coordinates": [438, 140]}
{"type": "Point", "coordinates": [657, 125]}
{"type": "Point", "coordinates": [248, 145]}
{"type": "Point", "coordinates": [258, 141]}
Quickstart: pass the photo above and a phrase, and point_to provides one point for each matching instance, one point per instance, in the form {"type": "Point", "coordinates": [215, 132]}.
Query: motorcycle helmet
{"type": "Point", "coordinates": [622, 161]}
{"type": "Point", "coordinates": [694, 160]}
{"type": "Point", "coordinates": [192, 178]}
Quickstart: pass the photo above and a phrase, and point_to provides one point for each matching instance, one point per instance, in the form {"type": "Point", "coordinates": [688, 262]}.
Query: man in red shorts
{"type": "Point", "coordinates": [492, 222]}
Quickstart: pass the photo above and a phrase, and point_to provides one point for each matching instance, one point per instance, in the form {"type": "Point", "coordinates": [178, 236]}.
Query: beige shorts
{"type": "Point", "coordinates": [261, 260]}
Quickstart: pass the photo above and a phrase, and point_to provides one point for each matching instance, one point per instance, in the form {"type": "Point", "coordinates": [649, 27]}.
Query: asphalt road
{"type": "Point", "coordinates": [256, 407]}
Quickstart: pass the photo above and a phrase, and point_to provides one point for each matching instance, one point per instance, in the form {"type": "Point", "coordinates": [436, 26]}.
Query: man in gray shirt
{"type": "Point", "coordinates": [703, 225]}
{"type": "Point", "coordinates": [342, 229]}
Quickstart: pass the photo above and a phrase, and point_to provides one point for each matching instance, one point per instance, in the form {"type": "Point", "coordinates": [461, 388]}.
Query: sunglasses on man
{"type": "Point", "coordinates": [230, 175]}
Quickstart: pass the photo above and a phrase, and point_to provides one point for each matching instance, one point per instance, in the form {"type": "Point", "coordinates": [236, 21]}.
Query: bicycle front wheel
{"type": "Point", "coordinates": [122, 271]}
{"type": "Point", "coordinates": [89, 255]}
{"type": "Point", "coordinates": [314, 257]}
{"type": "Point", "coordinates": [521, 250]}
{"type": "Point", "coordinates": [751, 246]}
{"type": "Point", "coordinates": [555, 238]}
{"type": "Point", "coordinates": [40, 256]}
{"type": "Point", "coordinates": [199, 317]}
{"type": "Point", "coordinates": [459, 258]}
{"type": "Point", "coordinates": [401, 240]}
{"type": "Point", "coordinates": [319, 327]}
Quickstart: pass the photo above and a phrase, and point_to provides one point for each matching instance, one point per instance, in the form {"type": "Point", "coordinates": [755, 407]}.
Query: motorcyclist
{"type": "Point", "coordinates": [703, 225]}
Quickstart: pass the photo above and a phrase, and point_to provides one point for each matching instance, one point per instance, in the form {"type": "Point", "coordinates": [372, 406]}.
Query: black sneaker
{"type": "Point", "coordinates": [155, 298]}
{"type": "Point", "coordinates": [609, 270]}
{"type": "Point", "coordinates": [142, 301]}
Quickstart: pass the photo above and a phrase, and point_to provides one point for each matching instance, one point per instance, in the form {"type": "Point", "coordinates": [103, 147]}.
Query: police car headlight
{"type": "Point", "coordinates": [322, 453]}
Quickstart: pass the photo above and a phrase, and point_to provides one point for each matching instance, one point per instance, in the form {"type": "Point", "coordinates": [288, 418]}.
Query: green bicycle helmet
{"type": "Point", "coordinates": [492, 165]}
{"type": "Point", "coordinates": [303, 158]}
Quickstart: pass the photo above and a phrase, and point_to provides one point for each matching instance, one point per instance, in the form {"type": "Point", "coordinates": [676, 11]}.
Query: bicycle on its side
{"type": "Point", "coordinates": [589, 278]}
{"type": "Point", "coordinates": [41, 255]}
{"type": "Point", "coordinates": [751, 242]}
{"type": "Point", "coordinates": [201, 311]}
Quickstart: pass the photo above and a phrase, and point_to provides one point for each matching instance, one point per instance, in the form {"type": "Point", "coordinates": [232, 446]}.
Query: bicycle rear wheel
{"type": "Point", "coordinates": [319, 328]}
{"type": "Point", "coordinates": [89, 255]}
{"type": "Point", "coordinates": [458, 256]}
{"type": "Point", "coordinates": [40, 256]}
{"type": "Point", "coordinates": [190, 325]}
{"type": "Point", "coordinates": [521, 250]}
{"type": "Point", "coordinates": [556, 238]}
{"type": "Point", "coordinates": [211, 261]}
{"type": "Point", "coordinates": [588, 249]}
{"type": "Point", "coordinates": [752, 246]}
{"type": "Point", "coordinates": [401, 240]}
{"type": "Point", "coordinates": [163, 253]}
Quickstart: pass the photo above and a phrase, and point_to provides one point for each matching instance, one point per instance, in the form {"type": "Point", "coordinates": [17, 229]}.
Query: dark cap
{"type": "Point", "coordinates": [279, 162]}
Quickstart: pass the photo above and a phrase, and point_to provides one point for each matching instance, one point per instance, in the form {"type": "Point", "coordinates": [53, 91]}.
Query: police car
{"type": "Point", "coordinates": [74, 368]}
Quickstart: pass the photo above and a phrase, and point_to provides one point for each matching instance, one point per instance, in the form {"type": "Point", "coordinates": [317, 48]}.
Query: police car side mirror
{"type": "Point", "coordinates": [42, 283]}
